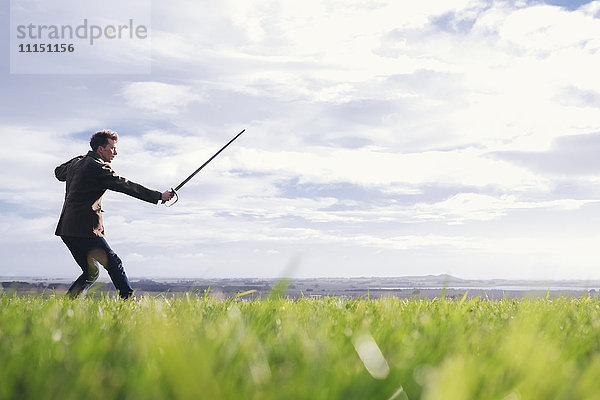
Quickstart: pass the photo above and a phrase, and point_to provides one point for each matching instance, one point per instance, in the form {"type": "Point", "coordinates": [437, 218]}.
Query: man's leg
{"type": "Point", "coordinates": [80, 249]}
{"type": "Point", "coordinates": [89, 253]}
{"type": "Point", "coordinates": [114, 266]}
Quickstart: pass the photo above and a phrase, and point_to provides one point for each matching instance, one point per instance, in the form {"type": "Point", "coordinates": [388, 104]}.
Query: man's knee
{"type": "Point", "coordinates": [95, 259]}
{"type": "Point", "coordinates": [92, 272]}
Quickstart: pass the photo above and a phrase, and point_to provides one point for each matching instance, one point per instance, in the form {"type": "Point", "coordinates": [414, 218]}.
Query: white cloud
{"type": "Point", "coordinates": [373, 167]}
{"type": "Point", "coordinates": [544, 28]}
{"type": "Point", "coordinates": [171, 45]}
{"type": "Point", "coordinates": [158, 97]}
{"type": "Point", "coordinates": [502, 92]}
{"type": "Point", "coordinates": [16, 229]}
{"type": "Point", "coordinates": [135, 257]}
{"type": "Point", "coordinates": [471, 206]}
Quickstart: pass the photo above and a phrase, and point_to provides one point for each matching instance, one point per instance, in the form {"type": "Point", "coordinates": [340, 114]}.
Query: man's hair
{"type": "Point", "coordinates": [100, 138]}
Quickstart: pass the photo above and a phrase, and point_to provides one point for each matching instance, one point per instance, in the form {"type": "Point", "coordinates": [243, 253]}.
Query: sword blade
{"type": "Point", "coordinates": [207, 161]}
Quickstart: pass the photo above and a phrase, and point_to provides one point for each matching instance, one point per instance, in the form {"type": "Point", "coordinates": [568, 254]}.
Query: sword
{"type": "Point", "coordinates": [174, 191]}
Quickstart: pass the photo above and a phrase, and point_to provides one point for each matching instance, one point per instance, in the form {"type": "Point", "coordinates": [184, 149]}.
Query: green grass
{"type": "Point", "coordinates": [195, 347]}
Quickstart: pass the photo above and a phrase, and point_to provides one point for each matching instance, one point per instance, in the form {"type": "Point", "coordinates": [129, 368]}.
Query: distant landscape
{"type": "Point", "coordinates": [429, 286]}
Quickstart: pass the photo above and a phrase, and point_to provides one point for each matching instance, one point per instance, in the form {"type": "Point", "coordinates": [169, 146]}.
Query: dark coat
{"type": "Point", "coordinates": [88, 177]}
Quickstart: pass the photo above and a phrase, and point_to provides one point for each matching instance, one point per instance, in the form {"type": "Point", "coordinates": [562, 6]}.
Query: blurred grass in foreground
{"type": "Point", "coordinates": [195, 347]}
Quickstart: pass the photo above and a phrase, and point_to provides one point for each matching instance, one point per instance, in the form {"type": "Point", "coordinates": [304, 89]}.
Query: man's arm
{"type": "Point", "coordinates": [110, 180]}
{"type": "Point", "coordinates": [61, 171]}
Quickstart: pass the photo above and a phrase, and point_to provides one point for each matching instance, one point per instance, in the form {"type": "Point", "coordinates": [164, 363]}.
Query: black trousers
{"type": "Point", "coordinates": [90, 253]}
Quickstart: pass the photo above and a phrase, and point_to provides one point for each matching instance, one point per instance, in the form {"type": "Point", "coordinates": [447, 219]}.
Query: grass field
{"type": "Point", "coordinates": [195, 347]}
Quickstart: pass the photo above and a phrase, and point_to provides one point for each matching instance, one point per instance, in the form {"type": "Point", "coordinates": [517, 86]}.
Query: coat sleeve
{"type": "Point", "coordinates": [111, 181]}
{"type": "Point", "coordinates": [61, 171]}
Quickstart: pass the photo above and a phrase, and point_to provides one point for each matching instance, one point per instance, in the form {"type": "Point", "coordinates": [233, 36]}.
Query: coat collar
{"type": "Point", "coordinates": [95, 156]}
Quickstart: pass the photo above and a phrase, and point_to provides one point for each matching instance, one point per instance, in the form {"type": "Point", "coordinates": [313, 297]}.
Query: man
{"type": "Point", "coordinates": [80, 225]}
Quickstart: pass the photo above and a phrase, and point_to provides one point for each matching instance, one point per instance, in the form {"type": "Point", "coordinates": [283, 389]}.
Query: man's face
{"type": "Point", "coordinates": [108, 152]}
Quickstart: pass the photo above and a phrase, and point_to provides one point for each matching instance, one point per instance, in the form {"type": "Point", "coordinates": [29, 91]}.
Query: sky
{"type": "Point", "coordinates": [383, 138]}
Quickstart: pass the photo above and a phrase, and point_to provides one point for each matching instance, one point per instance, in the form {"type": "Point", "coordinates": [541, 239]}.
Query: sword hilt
{"type": "Point", "coordinates": [169, 203]}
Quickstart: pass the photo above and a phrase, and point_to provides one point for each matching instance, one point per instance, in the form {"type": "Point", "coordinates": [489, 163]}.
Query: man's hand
{"type": "Point", "coordinates": [168, 195]}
